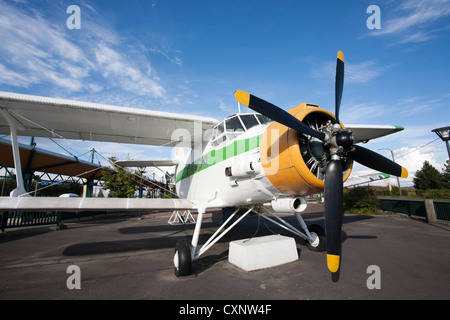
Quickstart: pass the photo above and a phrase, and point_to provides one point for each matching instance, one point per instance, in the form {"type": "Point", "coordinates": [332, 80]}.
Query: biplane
{"type": "Point", "coordinates": [273, 157]}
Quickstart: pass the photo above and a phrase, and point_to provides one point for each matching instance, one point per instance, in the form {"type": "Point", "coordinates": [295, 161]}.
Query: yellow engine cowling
{"type": "Point", "coordinates": [282, 160]}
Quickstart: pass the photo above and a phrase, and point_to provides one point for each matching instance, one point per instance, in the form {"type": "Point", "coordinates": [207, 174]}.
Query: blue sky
{"type": "Point", "coordinates": [190, 57]}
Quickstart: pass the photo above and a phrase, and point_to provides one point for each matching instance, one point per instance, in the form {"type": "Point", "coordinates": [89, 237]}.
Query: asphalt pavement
{"type": "Point", "coordinates": [127, 257]}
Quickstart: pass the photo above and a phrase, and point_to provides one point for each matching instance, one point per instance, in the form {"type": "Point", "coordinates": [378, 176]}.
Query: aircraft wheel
{"type": "Point", "coordinates": [182, 259]}
{"type": "Point", "coordinates": [319, 244]}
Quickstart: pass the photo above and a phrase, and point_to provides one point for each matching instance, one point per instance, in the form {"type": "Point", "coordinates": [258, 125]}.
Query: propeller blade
{"type": "Point", "coordinates": [377, 162]}
{"type": "Point", "coordinates": [333, 213]}
{"type": "Point", "coordinates": [276, 114]}
{"type": "Point", "coordinates": [339, 83]}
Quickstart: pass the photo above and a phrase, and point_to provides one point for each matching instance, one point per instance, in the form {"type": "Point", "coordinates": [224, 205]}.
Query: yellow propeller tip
{"type": "Point", "coordinates": [340, 56]}
{"type": "Point", "coordinates": [404, 173]}
{"type": "Point", "coordinates": [242, 97]}
{"type": "Point", "coordinates": [333, 262]}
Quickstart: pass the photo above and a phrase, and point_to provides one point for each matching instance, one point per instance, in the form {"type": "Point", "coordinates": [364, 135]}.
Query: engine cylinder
{"type": "Point", "coordinates": [282, 159]}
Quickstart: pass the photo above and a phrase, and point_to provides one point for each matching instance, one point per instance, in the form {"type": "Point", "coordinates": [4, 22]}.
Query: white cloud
{"type": "Point", "coordinates": [361, 112]}
{"type": "Point", "coordinates": [228, 109]}
{"type": "Point", "coordinates": [8, 76]}
{"type": "Point", "coordinates": [404, 111]}
{"type": "Point", "coordinates": [419, 36]}
{"type": "Point", "coordinates": [413, 158]}
{"type": "Point", "coordinates": [38, 51]}
{"type": "Point", "coordinates": [173, 60]}
{"type": "Point", "coordinates": [362, 72]}
{"type": "Point", "coordinates": [116, 68]}
{"type": "Point", "coordinates": [34, 49]}
{"type": "Point", "coordinates": [414, 20]}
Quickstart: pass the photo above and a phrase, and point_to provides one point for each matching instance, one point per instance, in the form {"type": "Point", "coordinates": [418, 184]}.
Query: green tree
{"type": "Point", "coordinates": [360, 200]}
{"type": "Point", "coordinates": [446, 175]}
{"type": "Point", "coordinates": [56, 190]}
{"type": "Point", "coordinates": [428, 178]}
{"type": "Point", "coordinates": [122, 183]}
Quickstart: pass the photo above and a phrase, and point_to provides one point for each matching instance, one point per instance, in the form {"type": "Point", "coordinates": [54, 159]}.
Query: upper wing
{"type": "Point", "coordinates": [56, 118]}
{"type": "Point", "coordinates": [364, 133]}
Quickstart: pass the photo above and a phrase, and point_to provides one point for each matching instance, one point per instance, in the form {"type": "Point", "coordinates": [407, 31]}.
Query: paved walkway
{"type": "Point", "coordinates": [129, 258]}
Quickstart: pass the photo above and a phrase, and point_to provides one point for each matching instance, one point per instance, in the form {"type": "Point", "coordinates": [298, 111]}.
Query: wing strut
{"type": "Point", "coordinates": [13, 126]}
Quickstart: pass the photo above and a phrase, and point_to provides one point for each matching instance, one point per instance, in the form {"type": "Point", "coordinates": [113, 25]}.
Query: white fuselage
{"type": "Point", "coordinates": [228, 172]}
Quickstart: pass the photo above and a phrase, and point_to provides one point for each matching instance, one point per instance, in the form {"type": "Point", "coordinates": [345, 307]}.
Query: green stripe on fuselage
{"type": "Point", "coordinates": [216, 156]}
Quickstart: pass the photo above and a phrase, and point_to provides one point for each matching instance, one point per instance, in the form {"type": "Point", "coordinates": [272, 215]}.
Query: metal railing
{"type": "Point", "coordinates": [22, 219]}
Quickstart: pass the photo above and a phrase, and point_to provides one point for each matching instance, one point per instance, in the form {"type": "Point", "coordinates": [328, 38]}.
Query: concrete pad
{"type": "Point", "coordinates": [262, 252]}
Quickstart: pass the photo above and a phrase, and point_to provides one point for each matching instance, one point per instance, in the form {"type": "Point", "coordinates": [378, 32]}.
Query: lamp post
{"type": "Point", "coordinates": [444, 134]}
{"type": "Point", "coordinates": [393, 159]}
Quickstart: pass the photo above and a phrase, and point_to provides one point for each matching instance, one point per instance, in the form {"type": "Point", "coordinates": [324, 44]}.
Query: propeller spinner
{"type": "Point", "coordinates": [339, 143]}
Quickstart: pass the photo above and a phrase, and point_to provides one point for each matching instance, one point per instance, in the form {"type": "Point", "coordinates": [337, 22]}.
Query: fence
{"type": "Point", "coordinates": [442, 210]}
{"type": "Point", "coordinates": [437, 210]}
{"type": "Point", "coordinates": [24, 219]}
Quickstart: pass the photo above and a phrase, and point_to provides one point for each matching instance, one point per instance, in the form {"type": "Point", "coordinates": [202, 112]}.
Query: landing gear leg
{"type": "Point", "coordinates": [314, 235]}
{"type": "Point", "coordinates": [185, 250]}
{"type": "Point", "coordinates": [319, 242]}
{"type": "Point", "coordinates": [181, 262]}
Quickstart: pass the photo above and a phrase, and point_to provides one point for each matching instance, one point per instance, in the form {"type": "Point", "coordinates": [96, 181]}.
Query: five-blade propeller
{"type": "Point", "coordinates": [339, 142]}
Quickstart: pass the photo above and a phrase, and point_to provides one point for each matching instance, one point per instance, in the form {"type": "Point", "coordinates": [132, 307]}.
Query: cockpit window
{"type": "Point", "coordinates": [263, 119]}
{"type": "Point", "coordinates": [234, 127]}
{"type": "Point", "coordinates": [249, 120]}
{"type": "Point", "coordinates": [234, 124]}
{"type": "Point", "coordinates": [219, 129]}
{"type": "Point", "coordinates": [219, 135]}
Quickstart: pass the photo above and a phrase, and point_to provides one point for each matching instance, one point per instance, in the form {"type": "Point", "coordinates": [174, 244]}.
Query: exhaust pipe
{"type": "Point", "coordinates": [289, 205]}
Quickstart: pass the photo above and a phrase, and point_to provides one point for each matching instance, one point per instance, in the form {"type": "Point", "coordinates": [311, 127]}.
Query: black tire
{"type": "Point", "coordinates": [182, 258]}
{"type": "Point", "coordinates": [320, 232]}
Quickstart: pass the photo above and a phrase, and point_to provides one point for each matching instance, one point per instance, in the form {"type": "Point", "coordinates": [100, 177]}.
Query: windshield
{"type": "Point", "coordinates": [249, 120]}
{"type": "Point", "coordinates": [263, 119]}
{"type": "Point", "coordinates": [234, 124]}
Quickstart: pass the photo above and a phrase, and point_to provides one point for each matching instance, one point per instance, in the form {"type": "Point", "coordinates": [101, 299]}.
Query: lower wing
{"type": "Point", "coordinates": [92, 204]}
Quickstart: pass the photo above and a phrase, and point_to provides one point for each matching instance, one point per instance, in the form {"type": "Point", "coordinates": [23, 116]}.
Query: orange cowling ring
{"type": "Point", "coordinates": [282, 161]}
